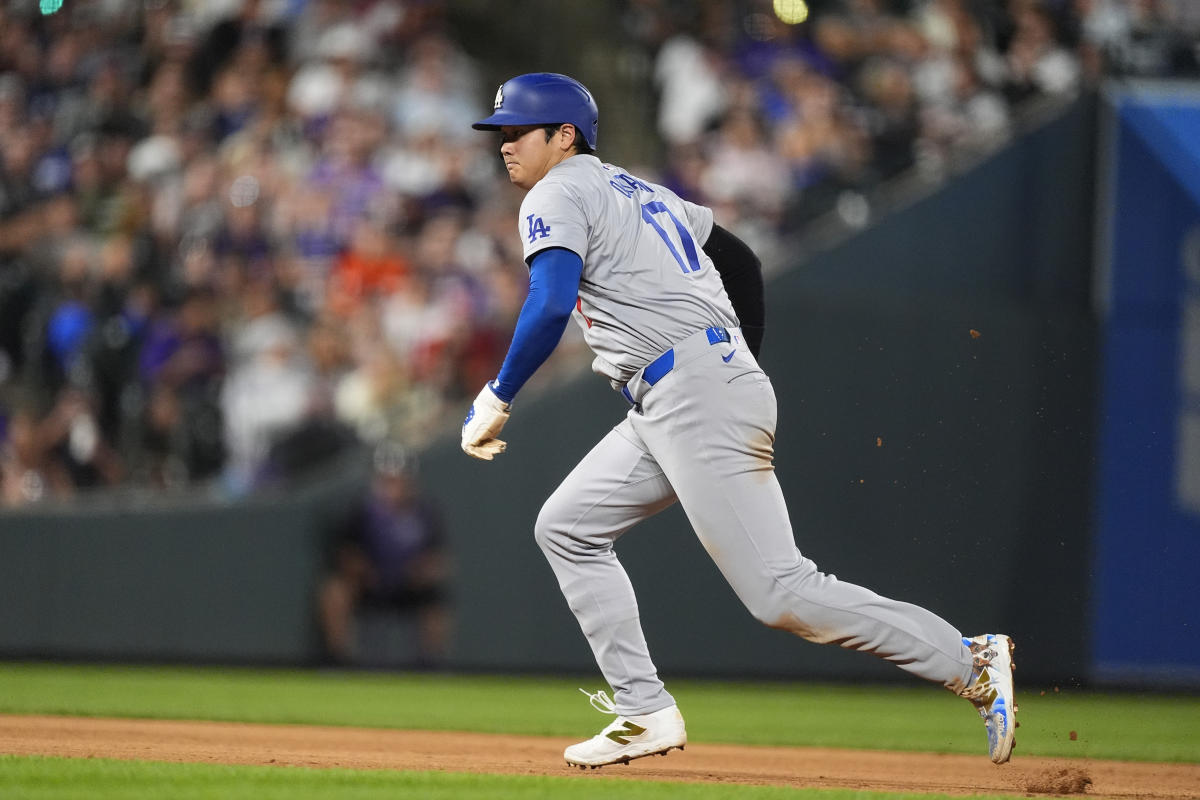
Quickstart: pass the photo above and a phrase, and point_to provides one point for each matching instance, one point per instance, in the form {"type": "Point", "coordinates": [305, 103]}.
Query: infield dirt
{"type": "Point", "coordinates": [360, 748]}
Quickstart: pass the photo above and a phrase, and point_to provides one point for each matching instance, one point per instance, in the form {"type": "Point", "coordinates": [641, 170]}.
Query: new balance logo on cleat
{"type": "Point", "coordinates": [629, 729]}
{"type": "Point", "coordinates": [627, 738]}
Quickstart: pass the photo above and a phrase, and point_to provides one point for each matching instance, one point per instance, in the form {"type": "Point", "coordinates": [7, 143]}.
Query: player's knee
{"type": "Point", "coordinates": [775, 610]}
{"type": "Point", "coordinates": [548, 528]}
{"type": "Point", "coordinates": [559, 532]}
{"type": "Point", "coordinates": [542, 532]}
{"type": "Point", "coordinates": [768, 610]}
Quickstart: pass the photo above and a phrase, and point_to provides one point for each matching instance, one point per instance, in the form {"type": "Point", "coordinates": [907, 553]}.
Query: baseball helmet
{"type": "Point", "coordinates": [544, 98]}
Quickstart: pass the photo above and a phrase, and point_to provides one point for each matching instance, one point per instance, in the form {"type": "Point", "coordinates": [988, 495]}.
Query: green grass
{"type": "Point", "coordinates": [1144, 727]}
{"type": "Point", "coordinates": [37, 778]}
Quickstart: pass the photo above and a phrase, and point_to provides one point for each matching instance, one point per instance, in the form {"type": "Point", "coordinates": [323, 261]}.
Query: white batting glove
{"type": "Point", "coordinates": [484, 421]}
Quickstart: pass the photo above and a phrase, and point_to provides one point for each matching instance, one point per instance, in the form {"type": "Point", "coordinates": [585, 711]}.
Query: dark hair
{"type": "Point", "coordinates": [581, 145]}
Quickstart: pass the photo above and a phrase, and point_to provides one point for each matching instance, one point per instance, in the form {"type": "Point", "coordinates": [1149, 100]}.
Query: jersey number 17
{"type": "Point", "coordinates": [656, 207]}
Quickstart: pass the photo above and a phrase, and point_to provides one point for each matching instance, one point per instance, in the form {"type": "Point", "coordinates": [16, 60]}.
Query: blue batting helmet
{"type": "Point", "coordinates": [544, 98]}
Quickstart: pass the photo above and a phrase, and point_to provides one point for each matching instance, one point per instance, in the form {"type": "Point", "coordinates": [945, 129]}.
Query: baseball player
{"type": "Point", "coordinates": [672, 306]}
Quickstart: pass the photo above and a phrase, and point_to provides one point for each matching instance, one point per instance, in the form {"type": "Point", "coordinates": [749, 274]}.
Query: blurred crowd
{"type": "Point", "coordinates": [237, 236]}
{"type": "Point", "coordinates": [778, 121]}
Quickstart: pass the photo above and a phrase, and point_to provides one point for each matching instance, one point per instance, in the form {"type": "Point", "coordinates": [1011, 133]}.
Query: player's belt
{"type": "Point", "coordinates": [657, 369]}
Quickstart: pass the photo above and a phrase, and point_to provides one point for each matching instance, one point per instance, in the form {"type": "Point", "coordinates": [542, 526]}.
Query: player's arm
{"type": "Point", "coordinates": [553, 288]}
{"type": "Point", "coordinates": [741, 272]}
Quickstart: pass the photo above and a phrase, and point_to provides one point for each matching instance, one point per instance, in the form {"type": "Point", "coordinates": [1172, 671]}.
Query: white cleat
{"type": "Point", "coordinates": [627, 738]}
{"type": "Point", "coordinates": [991, 691]}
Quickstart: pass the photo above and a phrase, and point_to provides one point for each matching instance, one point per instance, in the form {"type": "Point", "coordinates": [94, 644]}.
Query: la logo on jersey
{"type": "Point", "coordinates": [499, 98]}
{"type": "Point", "coordinates": [537, 228]}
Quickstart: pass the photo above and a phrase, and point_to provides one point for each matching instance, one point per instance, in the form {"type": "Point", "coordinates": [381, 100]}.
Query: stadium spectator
{"type": "Point", "coordinates": [371, 267]}
{"type": "Point", "coordinates": [688, 75]}
{"type": "Point", "coordinates": [29, 473]}
{"type": "Point", "coordinates": [269, 393]}
{"type": "Point", "coordinates": [389, 555]}
{"type": "Point", "coordinates": [71, 432]}
{"type": "Point", "coordinates": [1038, 63]}
{"type": "Point", "coordinates": [743, 170]}
{"type": "Point", "coordinates": [182, 365]}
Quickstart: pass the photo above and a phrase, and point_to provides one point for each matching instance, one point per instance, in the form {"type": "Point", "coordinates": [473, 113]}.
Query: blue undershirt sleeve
{"type": "Point", "coordinates": [553, 287]}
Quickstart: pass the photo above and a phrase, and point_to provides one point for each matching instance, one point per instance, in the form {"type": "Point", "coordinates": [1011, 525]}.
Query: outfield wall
{"type": "Point", "coordinates": [931, 464]}
{"type": "Point", "coordinates": [1147, 528]}
{"type": "Point", "coordinates": [155, 579]}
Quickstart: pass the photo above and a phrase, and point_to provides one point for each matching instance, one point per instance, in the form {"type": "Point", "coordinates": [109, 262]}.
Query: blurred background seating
{"type": "Point", "coordinates": [220, 222]}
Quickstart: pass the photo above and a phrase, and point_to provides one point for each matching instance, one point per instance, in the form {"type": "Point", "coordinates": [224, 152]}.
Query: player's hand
{"type": "Point", "coordinates": [484, 421]}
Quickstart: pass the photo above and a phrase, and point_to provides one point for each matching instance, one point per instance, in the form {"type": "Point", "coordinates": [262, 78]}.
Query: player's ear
{"type": "Point", "coordinates": [570, 134]}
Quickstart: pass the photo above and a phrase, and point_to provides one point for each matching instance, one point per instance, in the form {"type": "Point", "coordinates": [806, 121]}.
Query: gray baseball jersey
{"type": "Point", "coordinates": [647, 282]}
{"type": "Point", "coordinates": [700, 430]}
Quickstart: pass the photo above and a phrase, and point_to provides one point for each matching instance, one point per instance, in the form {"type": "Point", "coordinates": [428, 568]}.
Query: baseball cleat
{"type": "Point", "coordinates": [991, 691]}
{"type": "Point", "coordinates": [628, 737]}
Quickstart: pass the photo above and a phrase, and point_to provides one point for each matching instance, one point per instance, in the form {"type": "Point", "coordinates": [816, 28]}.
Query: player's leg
{"type": "Point", "coordinates": [615, 486]}
{"type": "Point", "coordinates": [725, 413]}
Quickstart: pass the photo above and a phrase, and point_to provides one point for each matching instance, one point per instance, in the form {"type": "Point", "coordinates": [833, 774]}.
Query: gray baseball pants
{"type": "Point", "coordinates": [704, 434]}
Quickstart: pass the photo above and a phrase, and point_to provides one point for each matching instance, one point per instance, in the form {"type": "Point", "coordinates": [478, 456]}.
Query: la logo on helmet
{"type": "Point", "coordinates": [499, 98]}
